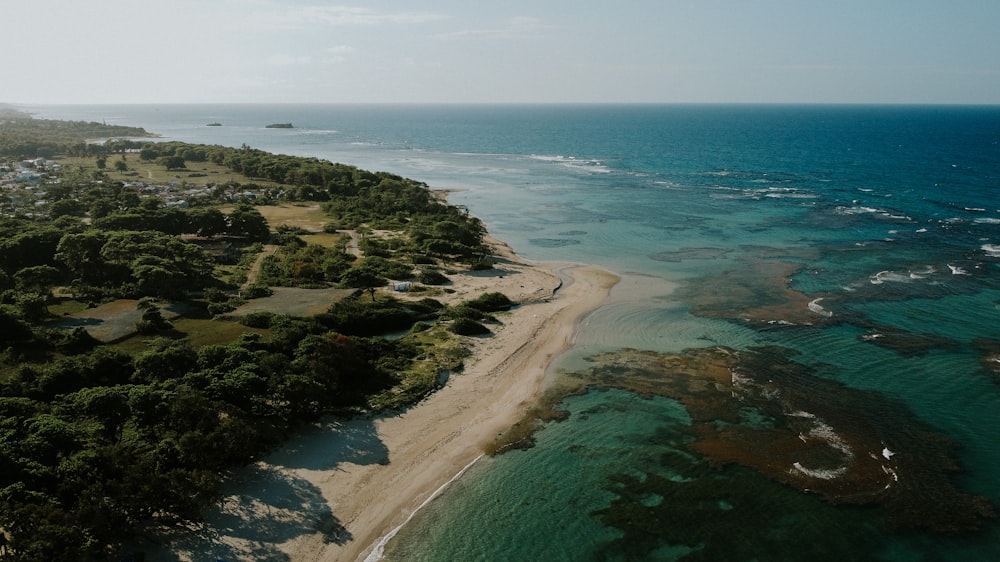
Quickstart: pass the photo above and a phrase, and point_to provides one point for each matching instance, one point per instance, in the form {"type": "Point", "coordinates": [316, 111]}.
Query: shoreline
{"type": "Point", "coordinates": [339, 491]}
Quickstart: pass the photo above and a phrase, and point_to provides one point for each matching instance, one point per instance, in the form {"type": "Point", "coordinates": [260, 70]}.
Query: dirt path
{"type": "Point", "coordinates": [254, 272]}
{"type": "Point", "coordinates": [352, 245]}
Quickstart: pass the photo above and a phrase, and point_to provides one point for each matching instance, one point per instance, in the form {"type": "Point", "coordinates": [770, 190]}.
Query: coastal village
{"type": "Point", "coordinates": [25, 187]}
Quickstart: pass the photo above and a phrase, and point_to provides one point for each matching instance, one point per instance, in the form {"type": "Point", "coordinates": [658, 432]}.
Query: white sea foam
{"type": "Point", "coordinates": [588, 165]}
{"type": "Point", "coordinates": [890, 472]}
{"type": "Point", "coordinates": [739, 380]}
{"type": "Point", "coordinates": [823, 474]}
{"type": "Point", "coordinates": [823, 431]}
{"type": "Point", "coordinates": [815, 307]}
{"type": "Point", "coordinates": [955, 270]}
{"type": "Point", "coordinates": [857, 210]}
{"type": "Point", "coordinates": [890, 276]}
{"type": "Point", "coordinates": [378, 551]}
{"type": "Point", "coordinates": [992, 250]}
{"type": "Point", "coordinates": [788, 193]}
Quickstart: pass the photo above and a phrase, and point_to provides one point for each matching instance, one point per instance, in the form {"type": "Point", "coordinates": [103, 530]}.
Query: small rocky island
{"type": "Point", "coordinates": [279, 126]}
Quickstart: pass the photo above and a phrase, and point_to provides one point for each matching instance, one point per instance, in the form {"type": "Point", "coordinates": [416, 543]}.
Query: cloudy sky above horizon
{"type": "Point", "coordinates": [517, 51]}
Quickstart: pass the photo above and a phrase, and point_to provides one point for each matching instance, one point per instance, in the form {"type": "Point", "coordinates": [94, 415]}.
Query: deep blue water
{"type": "Point", "coordinates": [890, 213]}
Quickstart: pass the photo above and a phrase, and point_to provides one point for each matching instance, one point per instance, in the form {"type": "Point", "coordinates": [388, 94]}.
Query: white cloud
{"type": "Point", "coordinates": [288, 60]}
{"type": "Point", "coordinates": [513, 27]}
{"type": "Point", "coordinates": [278, 16]}
{"type": "Point", "coordinates": [338, 53]}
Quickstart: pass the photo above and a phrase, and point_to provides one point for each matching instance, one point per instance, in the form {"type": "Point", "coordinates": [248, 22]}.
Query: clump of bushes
{"type": "Point", "coordinates": [260, 319]}
{"type": "Point", "coordinates": [468, 327]}
{"type": "Point", "coordinates": [484, 264]}
{"type": "Point", "coordinates": [432, 277]}
{"type": "Point", "coordinates": [491, 302]}
{"type": "Point", "coordinates": [256, 291]}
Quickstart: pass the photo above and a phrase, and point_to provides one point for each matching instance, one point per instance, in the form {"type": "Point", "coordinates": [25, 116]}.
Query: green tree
{"type": "Point", "coordinates": [36, 279]}
{"type": "Point", "coordinates": [80, 253]}
{"type": "Point", "coordinates": [172, 162]}
{"type": "Point", "coordinates": [247, 221]}
{"type": "Point", "coordinates": [363, 278]}
{"type": "Point", "coordinates": [13, 329]}
{"type": "Point", "coordinates": [67, 207]}
{"type": "Point", "coordinates": [168, 360]}
{"type": "Point", "coordinates": [205, 221]}
{"type": "Point", "coordinates": [107, 405]}
{"type": "Point", "coordinates": [33, 306]}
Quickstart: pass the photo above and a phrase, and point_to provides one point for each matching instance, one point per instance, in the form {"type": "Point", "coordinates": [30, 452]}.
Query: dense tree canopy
{"type": "Point", "coordinates": [96, 439]}
{"type": "Point", "coordinates": [25, 137]}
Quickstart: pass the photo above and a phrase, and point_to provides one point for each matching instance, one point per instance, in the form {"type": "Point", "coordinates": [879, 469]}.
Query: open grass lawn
{"type": "Point", "coordinates": [307, 216]}
{"type": "Point", "coordinates": [155, 173]}
{"type": "Point", "coordinates": [324, 239]}
{"type": "Point", "coordinates": [198, 331]}
{"type": "Point", "coordinates": [66, 307]}
{"type": "Point", "coordinates": [206, 331]}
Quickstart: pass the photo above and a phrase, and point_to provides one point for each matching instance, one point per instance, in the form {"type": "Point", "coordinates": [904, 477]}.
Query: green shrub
{"type": "Point", "coordinates": [256, 291]}
{"type": "Point", "coordinates": [468, 327]}
{"type": "Point", "coordinates": [484, 264]}
{"type": "Point", "coordinates": [432, 277]}
{"type": "Point", "coordinates": [491, 302]}
{"type": "Point", "coordinates": [258, 319]}
{"type": "Point", "coordinates": [464, 311]}
{"type": "Point", "coordinates": [420, 327]}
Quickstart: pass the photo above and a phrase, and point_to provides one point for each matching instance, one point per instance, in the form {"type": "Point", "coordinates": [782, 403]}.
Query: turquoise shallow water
{"type": "Point", "coordinates": [890, 215]}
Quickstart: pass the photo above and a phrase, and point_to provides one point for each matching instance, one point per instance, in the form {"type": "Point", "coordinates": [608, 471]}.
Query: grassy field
{"type": "Point", "coordinates": [307, 216]}
{"type": "Point", "coordinates": [198, 174]}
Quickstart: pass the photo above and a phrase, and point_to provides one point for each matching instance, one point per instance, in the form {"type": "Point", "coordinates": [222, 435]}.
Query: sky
{"type": "Point", "coordinates": [500, 51]}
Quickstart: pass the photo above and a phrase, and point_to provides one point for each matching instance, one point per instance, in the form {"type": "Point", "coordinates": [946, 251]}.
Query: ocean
{"type": "Point", "coordinates": [836, 269]}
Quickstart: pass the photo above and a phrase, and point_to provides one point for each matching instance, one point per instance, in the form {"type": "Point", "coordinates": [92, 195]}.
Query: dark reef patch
{"type": "Point", "coordinates": [759, 409]}
{"type": "Point", "coordinates": [553, 242]}
{"type": "Point", "coordinates": [685, 254]}
{"type": "Point", "coordinates": [989, 356]}
{"type": "Point", "coordinates": [906, 343]}
{"type": "Point", "coordinates": [757, 292]}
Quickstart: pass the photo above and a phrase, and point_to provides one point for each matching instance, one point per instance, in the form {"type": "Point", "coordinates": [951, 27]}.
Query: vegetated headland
{"type": "Point", "coordinates": [172, 312]}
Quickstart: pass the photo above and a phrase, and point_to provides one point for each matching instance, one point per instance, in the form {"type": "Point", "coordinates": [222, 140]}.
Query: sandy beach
{"type": "Point", "coordinates": [332, 493]}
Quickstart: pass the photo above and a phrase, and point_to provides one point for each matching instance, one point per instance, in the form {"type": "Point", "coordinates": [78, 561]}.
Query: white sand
{"type": "Point", "coordinates": [332, 493]}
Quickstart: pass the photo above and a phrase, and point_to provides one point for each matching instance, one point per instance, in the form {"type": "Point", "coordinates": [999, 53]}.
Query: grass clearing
{"type": "Point", "coordinates": [198, 331]}
{"type": "Point", "coordinates": [205, 173]}
{"type": "Point", "coordinates": [202, 332]}
{"type": "Point", "coordinates": [326, 240]}
{"type": "Point", "coordinates": [307, 217]}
